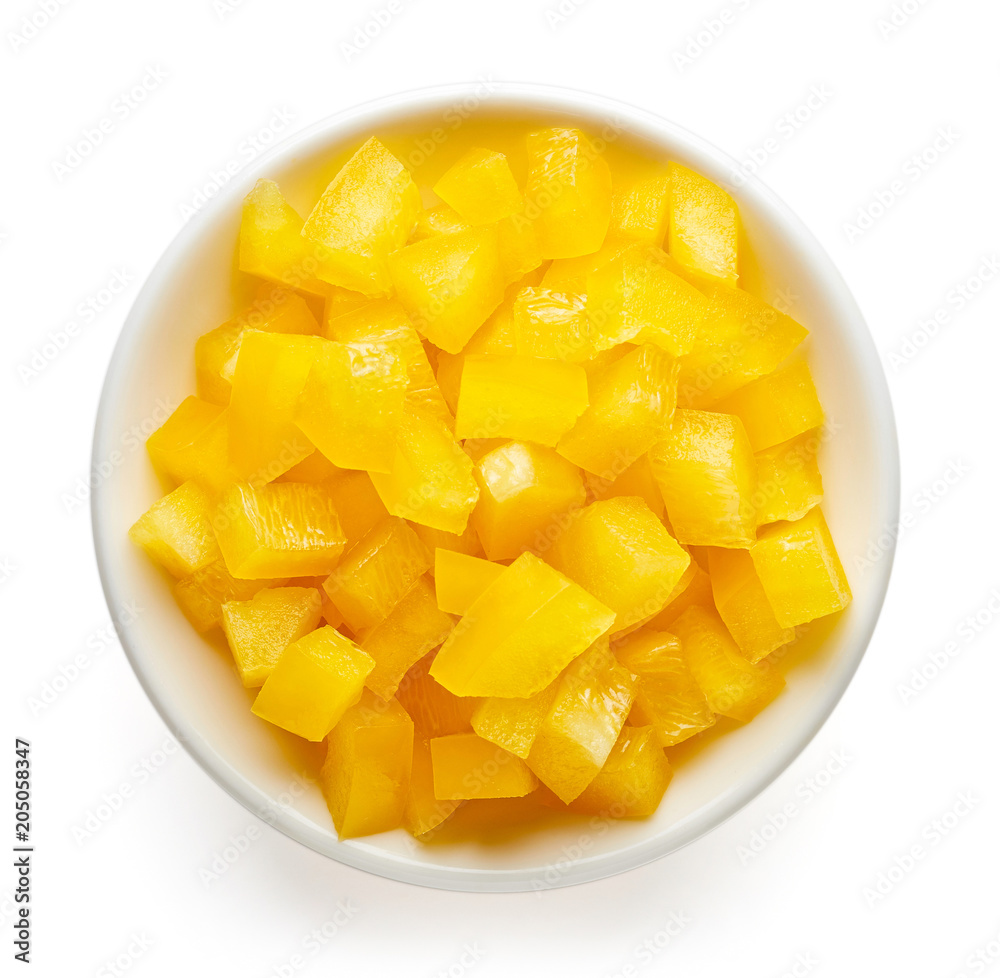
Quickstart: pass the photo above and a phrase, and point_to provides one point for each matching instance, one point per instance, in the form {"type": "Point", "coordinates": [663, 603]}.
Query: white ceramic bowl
{"type": "Point", "coordinates": [194, 687]}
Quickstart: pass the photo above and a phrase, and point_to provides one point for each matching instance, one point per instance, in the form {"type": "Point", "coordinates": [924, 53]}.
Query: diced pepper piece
{"type": "Point", "coordinates": [353, 402]}
{"type": "Point", "coordinates": [708, 476]}
{"type": "Point", "coordinates": [800, 570]}
{"type": "Point", "coordinates": [633, 780]}
{"type": "Point", "coordinates": [631, 403]}
{"type": "Point", "coordinates": [176, 531]}
{"type": "Point", "coordinates": [639, 296]}
{"type": "Point", "coordinates": [466, 766]}
{"type": "Point", "coordinates": [424, 812]}
{"type": "Point", "coordinates": [527, 398]}
{"type": "Point", "coordinates": [671, 702]}
{"type": "Point", "coordinates": [694, 588]}
{"type": "Point", "coordinates": [588, 711]}
{"type": "Point", "coordinates": [260, 629]}
{"type": "Point", "coordinates": [640, 212]}
{"type": "Point", "coordinates": [202, 595]}
{"type": "Point", "coordinates": [375, 573]}
{"type": "Point", "coordinates": [513, 723]}
{"type": "Point", "coordinates": [340, 302]}
{"type": "Point", "coordinates": [274, 310]}
{"type": "Point", "coordinates": [271, 242]}
{"type": "Point", "coordinates": [462, 543]}
{"type": "Point", "coordinates": [571, 274]}
{"type": "Point", "coordinates": [364, 215]}
{"type": "Point", "coordinates": [357, 503]}
{"type": "Point", "coordinates": [438, 220]}
{"type": "Point", "coordinates": [636, 480]}
{"type": "Point", "coordinates": [647, 652]}
{"type": "Point", "coordinates": [193, 443]}
{"type": "Point", "coordinates": [430, 479]}
{"type": "Point", "coordinates": [460, 579]}
{"type": "Point", "coordinates": [449, 284]}
{"type": "Point", "coordinates": [365, 778]}
{"type": "Point", "coordinates": [449, 377]}
{"type": "Point", "coordinates": [789, 483]}
{"type": "Point", "coordinates": [777, 407]}
{"type": "Point", "coordinates": [414, 627]}
{"type": "Point", "coordinates": [617, 550]}
{"type": "Point", "coordinates": [313, 683]}
{"type": "Point", "coordinates": [521, 632]}
{"type": "Point", "coordinates": [552, 324]}
{"type": "Point", "coordinates": [384, 321]}
{"type": "Point", "coordinates": [270, 375]}
{"type": "Point", "coordinates": [481, 187]}
{"type": "Point", "coordinates": [517, 243]}
{"type": "Point", "coordinates": [569, 185]}
{"type": "Point", "coordinates": [286, 529]}
{"type": "Point", "coordinates": [743, 338]}
{"type": "Point", "coordinates": [704, 224]}
{"type": "Point", "coordinates": [733, 686]}
{"type": "Point", "coordinates": [497, 334]}
{"type": "Point", "coordinates": [314, 468]}
{"type": "Point", "coordinates": [743, 605]}
{"type": "Point", "coordinates": [436, 712]}
{"type": "Point", "coordinates": [525, 493]}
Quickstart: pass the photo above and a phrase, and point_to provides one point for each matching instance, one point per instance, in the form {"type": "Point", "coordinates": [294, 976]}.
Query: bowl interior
{"type": "Point", "coordinates": [191, 679]}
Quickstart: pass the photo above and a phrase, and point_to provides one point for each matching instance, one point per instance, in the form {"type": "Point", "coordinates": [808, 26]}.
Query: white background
{"type": "Point", "coordinates": [919, 770]}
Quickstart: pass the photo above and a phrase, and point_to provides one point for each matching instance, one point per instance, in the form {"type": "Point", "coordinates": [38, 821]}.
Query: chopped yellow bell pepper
{"type": "Point", "coordinates": [694, 588]}
{"type": "Point", "coordinates": [459, 579]}
{"type": "Point", "coordinates": [513, 723]}
{"type": "Point", "coordinates": [636, 480]}
{"type": "Point", "coordinates": [436, 712]}
{"type": "Point", "coordinates": [424, 812]}
{"type": "Point", "coordinates": [789, 483]}
{"type": "Point", "coordinates": [176, 531]}
{"type": "Point", "coordinates": [552, 324]}
{"type": "Point", "coordinates": [480, 187]}
{"type": "Point", "coordinates": [466, 766]}
{"type": "Point", "coordinates": [202, 595]}
{"type": "Point", "coordinates": [704, 224]}
{"type": "Point", "coordinates": [640, 212]}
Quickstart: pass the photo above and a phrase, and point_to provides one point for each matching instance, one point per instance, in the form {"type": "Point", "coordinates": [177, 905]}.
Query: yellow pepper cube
{"type": "Point", "coordinates": [708, 476]}
{"type": "Point", "coordinates": [800, 571]}
{"type": "Point", "coordinates": [438, 220]}
{"type": "Point", "coordinates": [193, 443]}
{"type": "Point", "coordinates": [777, 407]}
{"type": "Point", "coordinates": [352, 404]}
{"type": "Point", "coordinates": [365, 778]}
{"type": "Point", "coordinates": [287, 529]}
{"type": "Point", "coordinates": [481, 187]}
{"type": "Point", "coordinates": [617, 550]}
{"type": "Point", "coordinates": [497, 334]}
{"type": "Point", "coordinates": [459, 579]}
{"type": "Point", "coordinates": [636, 480]}
{"type": "Point", "coordinates": [271, 372]}
{"type": "Point", "coordinates": [640, 212]}
{"type": "Point", "coordinates": [743, 605]}
{"type": "Point", "coordinates": [202, 595]}
{"type": "Point", "coordinates": [513, 723]}
{"type": "Point", "coordinates": [694, 588]}
{"type": "Point", "coordinates": [384, 321]}
{"type": "Point", "coordinates": [430, 479]}
{"type": "Point", "coordinates": [260, 629]}
{"type": "Point", "coordinates": [591, 703]}
{"type": "Point", "coordinates": [314, 468]}
{"type": "Point", "coordinates": [436, 712]}
{"type": "Point", "coordinates": [364, 215]}
{"type": "Point", "coordinates": [527, 398]}
{"type": "Point", "coordinates": [525, 494]}
{"type": "Point", "coordinates": [449, 284]}
{"type": "Point", "coordinates": [466, 766]}
{"type": "Point", "coordinates": [521, 632]}
{"type": "Point", "coordinates": [743, 338]}
{"type": "Point", "coordinates": [357, 503]}
{"type": "Point", "coordinates": [275, 310]}
{"type": "Point", "coordinates": [789, 483]}
{"type": "Point", "coordinates": [733, 686]}
{"type": "Point", "coordinates": [313, 683]}
{"type": "Point", "coordinates": [552, 324]}
{"type": "Point", "coordinates": [339, 302]}
{"type": "Point", "coordinates": [462, 543]}
{"type": "Point", "coordinates": [704, 225]}
{"type": "Point", "coordinates": [631, 403]}
{"type": "Point", "coordinates": [639, 296]}
{"type": "Point", "coordinates": [176, 531]}
{"type": "Point", "coordinates": [375, 573]}
{"type": "Point", "coordinates": [414, 627]}
{"type": "Point", "coordinates": [633, 780]}
{"type": "Point", "coordinates": [424, 812]}
{"type": "Point", "coordinates": [569, 188]}
{"type": "Point", "coordinates": [271, 242]}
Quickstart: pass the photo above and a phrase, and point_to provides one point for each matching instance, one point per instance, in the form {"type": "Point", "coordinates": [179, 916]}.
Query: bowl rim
{"type": "Point", "coordinates": [527, 97]}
